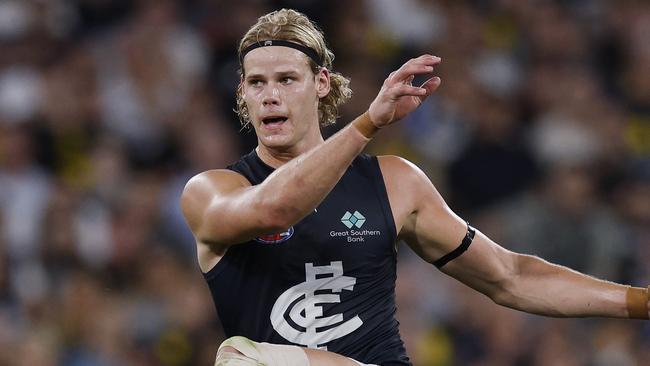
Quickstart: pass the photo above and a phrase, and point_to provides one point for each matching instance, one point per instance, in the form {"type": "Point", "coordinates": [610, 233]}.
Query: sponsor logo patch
{"type": "Point", "coordinates": [354, 221]}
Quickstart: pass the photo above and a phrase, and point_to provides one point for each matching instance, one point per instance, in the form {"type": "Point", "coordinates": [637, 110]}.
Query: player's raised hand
{"type": "Point", "coordinates": [398, 97]}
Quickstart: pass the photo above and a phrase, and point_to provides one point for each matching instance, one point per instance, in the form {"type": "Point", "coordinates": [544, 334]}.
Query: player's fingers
{"type": "Point", "coordinates": [410, 79]}
{"type": "Point", "coordinates": [414, 66]}
{"type": "Point", "coordinates": [403, 90]}
{"type": "Point", "coordinates": [389, 78]}
{"type": "Point", "coordinates": [431, 84]}
{"type": "Point", "coordinates": [417, 66]}
{"type": "Point", "coordinates": [410, 69]}
{"type": "Point", "coordinates": [426, 58]}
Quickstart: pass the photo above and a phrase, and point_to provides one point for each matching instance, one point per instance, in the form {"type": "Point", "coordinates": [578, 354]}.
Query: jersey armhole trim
{"type": "Point", "coordinates": [380, 186]}
{"type": "Point", "coordinates": [213, 272]}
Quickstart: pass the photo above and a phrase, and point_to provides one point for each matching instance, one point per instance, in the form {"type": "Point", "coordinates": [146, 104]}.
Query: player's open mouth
{"type": "Point", "coordinates": [274, 121]}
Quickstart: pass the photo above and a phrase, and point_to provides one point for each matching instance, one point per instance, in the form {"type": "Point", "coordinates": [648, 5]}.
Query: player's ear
{"type": "Point", "coordinates": [323, 82]}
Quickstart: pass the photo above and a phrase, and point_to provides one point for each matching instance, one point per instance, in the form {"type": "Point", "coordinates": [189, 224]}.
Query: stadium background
{"type": "Point", "coordinates": [539, 135]}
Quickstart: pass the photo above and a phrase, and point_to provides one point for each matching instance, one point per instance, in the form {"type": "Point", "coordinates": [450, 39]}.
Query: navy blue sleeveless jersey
{"type": "Point", "coordinates": [327, 282]}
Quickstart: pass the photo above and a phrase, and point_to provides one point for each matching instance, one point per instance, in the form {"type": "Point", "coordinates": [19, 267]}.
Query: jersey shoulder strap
{"type": "Point", "coordinates": [252, 168]}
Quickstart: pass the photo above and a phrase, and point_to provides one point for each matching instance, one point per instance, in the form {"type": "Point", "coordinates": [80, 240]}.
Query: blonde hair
{"type": "Point", "coordinates": [290, 25]}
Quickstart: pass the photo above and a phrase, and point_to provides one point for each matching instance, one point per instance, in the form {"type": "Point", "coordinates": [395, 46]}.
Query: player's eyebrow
{"type": "Point", "coordinates": [277, 74]}
{"type": "Point", "coordinates": [254, 76]}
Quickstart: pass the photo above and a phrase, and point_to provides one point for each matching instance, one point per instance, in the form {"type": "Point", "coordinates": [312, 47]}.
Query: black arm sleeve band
{"type": "Point", "coordinates": [467, 240]}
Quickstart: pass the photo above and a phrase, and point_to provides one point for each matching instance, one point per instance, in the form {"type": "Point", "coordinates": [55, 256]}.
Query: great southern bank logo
{"type": "Point", "coordinates": [354, 221]}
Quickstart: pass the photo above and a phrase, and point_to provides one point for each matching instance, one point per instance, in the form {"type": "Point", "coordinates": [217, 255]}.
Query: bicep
{"type": "Point", "coordinates": [434, 230]}
{"type": "Point", "coordinates": [220, 207]}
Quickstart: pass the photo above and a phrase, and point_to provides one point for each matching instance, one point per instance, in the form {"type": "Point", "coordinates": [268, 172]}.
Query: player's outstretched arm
{"type": "Point", "coordinates": [222, 208]}
{"type": "Point", "coordinates": [518, 281]}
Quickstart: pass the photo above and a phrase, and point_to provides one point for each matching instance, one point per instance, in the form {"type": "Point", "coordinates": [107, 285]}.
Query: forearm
{"type": "Point", "coordinates": [547, 289]}
{"type": "Point", "coordinates": [297, 187]}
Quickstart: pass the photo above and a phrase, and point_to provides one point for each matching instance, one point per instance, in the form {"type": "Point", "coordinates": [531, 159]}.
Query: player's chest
{"type": "Point", "coordinates": [348, 223]}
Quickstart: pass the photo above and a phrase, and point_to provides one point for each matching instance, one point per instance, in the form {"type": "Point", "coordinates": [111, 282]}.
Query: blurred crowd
{"type": "Point", "coordinates": [539, 135]}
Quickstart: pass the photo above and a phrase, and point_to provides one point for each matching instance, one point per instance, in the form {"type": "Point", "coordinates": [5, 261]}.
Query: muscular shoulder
{"type": "Point", "coordinates": [403, 174]}
{"type": "Point", "coordinates": [407, 186]}
{"type": "Point", "coordinates": [214, 181]}
{"type": "Point", "coordinates": [204, 187]}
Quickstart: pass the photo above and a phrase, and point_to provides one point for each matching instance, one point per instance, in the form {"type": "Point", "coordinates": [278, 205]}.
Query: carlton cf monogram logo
{"type": "Point", "coordinates": [355, 219]}
{"type": "Point", "coordinates": [298, 316]}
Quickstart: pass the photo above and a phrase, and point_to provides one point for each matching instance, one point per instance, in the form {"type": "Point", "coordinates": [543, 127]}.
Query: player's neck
{"type": "Point", "coordinates": [278, 156]}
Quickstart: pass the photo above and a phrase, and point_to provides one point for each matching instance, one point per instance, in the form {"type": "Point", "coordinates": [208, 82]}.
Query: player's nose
{"type": "Point", "coordinates": [271, 96]}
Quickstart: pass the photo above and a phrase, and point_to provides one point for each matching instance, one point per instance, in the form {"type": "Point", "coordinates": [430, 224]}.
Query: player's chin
{"type": "Point", "coordinates": [276, 140]}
